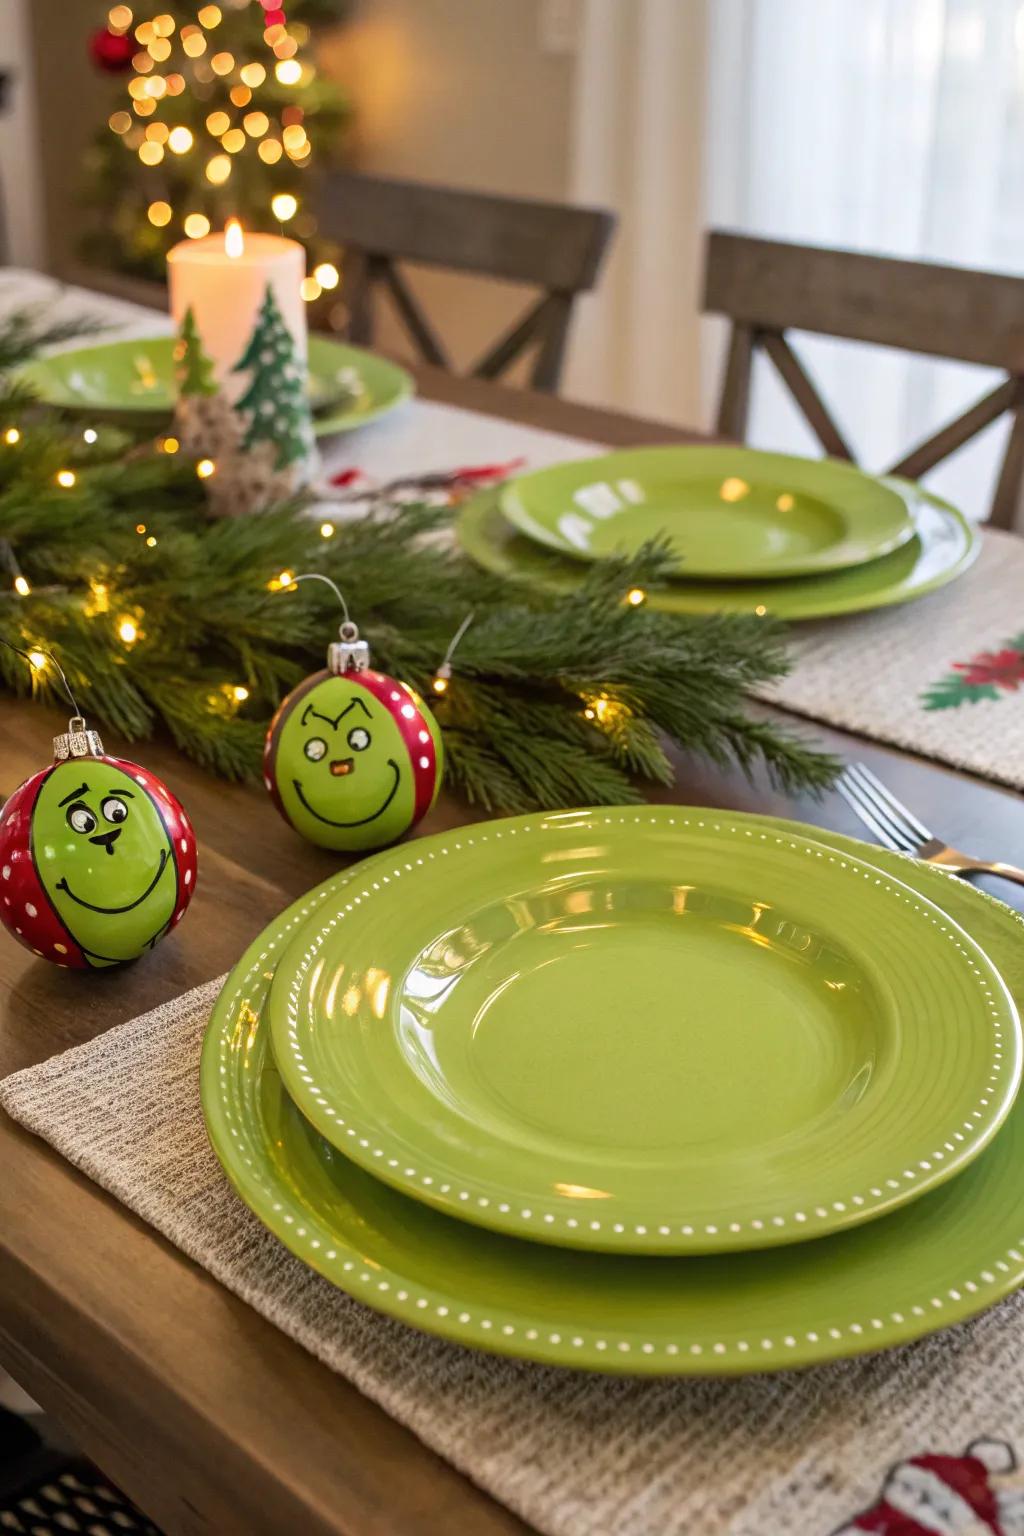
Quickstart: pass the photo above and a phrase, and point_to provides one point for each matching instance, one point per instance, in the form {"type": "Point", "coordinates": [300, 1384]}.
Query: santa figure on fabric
{"type": "Point", "coordinates": [980, 1493]}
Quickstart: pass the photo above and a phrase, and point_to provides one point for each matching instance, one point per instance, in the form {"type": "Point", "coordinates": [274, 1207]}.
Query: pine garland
{"type": "Point", "coordinates": [163, 618]}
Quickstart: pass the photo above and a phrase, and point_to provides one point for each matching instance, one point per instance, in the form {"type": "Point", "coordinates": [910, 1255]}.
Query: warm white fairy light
{"type": "Point", "coordinates": [128, 631]}
{"type": "Point", "coordinates": [205, 468]}
{"type": "Point", "coordinates": [21, 585]}
{"type": "Point", "coordinates": [12, 436]}
{"type": "Point", "coordinates": [284, 206]}
{"type": "Point", "coordinates": [90, 434]}
{"type": "Point", "coordinates": [37, 659]}
{"type": "Point", "coordinates": [66, 478]}
{"type": "Point", "coordinates": [635, 596]}
{"type": "Point", "coordinates": [327, 530]}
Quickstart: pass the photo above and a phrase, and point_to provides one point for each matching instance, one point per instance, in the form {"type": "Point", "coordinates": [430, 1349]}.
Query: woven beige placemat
{"type": "Point", "coordinates": [573, 1454]}
{"type": "Point", "coordinates": [943, 676]}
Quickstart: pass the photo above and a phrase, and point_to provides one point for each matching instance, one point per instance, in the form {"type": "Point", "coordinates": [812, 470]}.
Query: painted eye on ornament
{"type": "Point", "coordinates": [81, 819]}
{"type": "Point", "coordinates": [114, 808]}
{"type": "Point", "coordinates": [315, 748]}
{"type": "Point", "coordinates": [359, 738]}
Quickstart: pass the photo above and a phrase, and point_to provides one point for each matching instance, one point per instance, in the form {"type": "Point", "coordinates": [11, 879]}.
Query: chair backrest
{"type": "Point", "coordinates": [768, 287]}
{"type": "Point", "coordinates": [379, 222]}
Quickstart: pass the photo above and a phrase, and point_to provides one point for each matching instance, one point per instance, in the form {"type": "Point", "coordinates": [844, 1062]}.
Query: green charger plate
{"type": "Point", "coordinates": [725, 511]}
{"type": "Point", "coordinates": [644, 1031]}
{"type": "Point", "coordinates": [348, 386]}
{"type": "Point", "coordinates": [934, 1263]}
{"type": "Point", "coordinates": [944, 545]}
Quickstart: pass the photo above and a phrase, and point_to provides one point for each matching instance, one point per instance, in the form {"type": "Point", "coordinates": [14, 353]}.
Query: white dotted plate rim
{"type": "Point", "coordinates": [559, 1222]}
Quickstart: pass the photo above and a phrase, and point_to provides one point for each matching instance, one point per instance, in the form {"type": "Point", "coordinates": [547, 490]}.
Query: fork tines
{"type": "Point", "coordinates": [890, 821]}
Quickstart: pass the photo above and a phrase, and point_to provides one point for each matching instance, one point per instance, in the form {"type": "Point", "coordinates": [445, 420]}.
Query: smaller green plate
{"type": "Point", "coordinates": [348, 386]}
{"type": "Point", "coordinates": [944, 545]}
{"type": "Point", "coordinates": [727, 512]}
{"type": "Point", "coordinates": [644, 1032]}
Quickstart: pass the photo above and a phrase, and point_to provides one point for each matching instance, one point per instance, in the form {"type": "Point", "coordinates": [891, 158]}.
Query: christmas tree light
{"type": "Point", "coordinates": [222, 111]}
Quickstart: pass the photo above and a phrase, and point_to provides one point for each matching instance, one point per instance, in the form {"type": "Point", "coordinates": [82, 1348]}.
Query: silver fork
{"type": "Point", "coordinates": [898, 828]}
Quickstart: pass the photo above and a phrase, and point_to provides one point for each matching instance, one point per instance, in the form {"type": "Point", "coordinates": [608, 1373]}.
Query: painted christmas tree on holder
{"type": "Point", "coordinates": [262, 448]}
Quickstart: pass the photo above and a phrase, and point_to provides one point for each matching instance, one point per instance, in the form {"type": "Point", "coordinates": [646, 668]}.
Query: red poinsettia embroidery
{"type": "Point", "coordinates": [989, 675]}
{"type": "Point", "coordinates": [1004, 668]}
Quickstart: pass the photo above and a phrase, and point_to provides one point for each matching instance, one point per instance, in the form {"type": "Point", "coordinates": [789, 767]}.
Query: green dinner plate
{"type": "Point", "coordinates": [348, 387]}
{"type": "Point", "coordinates": [727, 512]}
{"type": "Point", "coordinates": [644, 1031]}
{"type": "Point", "coordinates": [944, 545]}
{"type": "Point", "coordinates": [933, 1263]}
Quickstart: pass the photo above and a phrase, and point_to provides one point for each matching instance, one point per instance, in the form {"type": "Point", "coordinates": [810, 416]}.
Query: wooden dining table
{"type": "Point", "coordinates": [208, 1416]}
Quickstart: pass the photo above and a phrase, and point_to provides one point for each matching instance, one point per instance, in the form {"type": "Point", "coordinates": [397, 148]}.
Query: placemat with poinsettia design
{"type": "Point", "coordinates": [943, 676]}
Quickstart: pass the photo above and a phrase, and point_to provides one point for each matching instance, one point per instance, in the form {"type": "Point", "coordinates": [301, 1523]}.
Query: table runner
{"type": "Point", "coordinates": [573, 1454]}
{"type": "Point", "coordinates": [943, 676]}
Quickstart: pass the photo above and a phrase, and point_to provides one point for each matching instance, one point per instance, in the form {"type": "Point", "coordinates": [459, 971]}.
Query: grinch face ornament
{"type": "Point", "coordinates": [97, 858]}
{"type": "Point", "coordinates": [353, 759]}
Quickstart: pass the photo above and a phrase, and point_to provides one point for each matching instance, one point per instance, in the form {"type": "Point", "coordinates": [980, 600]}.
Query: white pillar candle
{"type": "Point", "coordinates": [223, 278]}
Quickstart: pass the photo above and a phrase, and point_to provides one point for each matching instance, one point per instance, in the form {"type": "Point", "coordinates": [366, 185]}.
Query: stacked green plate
{"type": "Point", "coordinates": [122, 379]}
{"type": "Point", "coordinates": [653, 1090]}
{"type": "Point", "coordinates": [750, 532]}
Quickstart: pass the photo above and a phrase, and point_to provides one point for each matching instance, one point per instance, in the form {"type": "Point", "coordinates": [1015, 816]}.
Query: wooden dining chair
{"type": "Point", "coordinates": [768, 288]}
{"type": "Point", "coordinates": [554, 247]}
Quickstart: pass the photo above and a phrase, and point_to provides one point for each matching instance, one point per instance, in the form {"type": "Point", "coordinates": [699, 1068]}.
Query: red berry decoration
{"type": "Point", "coordinates": [97, 858]}
{"type": "Point", "coordinates": [112, 51]}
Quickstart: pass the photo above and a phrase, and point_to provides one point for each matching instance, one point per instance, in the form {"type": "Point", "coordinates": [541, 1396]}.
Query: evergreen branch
{"type": "Point", "coordinates": [184, 625]}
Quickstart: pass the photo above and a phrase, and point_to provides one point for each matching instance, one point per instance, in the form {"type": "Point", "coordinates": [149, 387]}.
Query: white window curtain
{"type": "Point", "coordinates": [637, 137]}
{"type": "Point", "coordinates": [894, 126]}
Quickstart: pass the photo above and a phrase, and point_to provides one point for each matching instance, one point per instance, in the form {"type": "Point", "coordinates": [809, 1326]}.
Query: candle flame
{"type": "Point", "coordinates": [234, 242]}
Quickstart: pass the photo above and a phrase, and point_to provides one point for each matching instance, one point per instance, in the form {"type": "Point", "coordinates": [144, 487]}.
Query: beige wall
{"type": "Point", "coordinates": [459, 92]}
{"type": "Point", "coordinates": [73, 99]}
{"type": "Point", "coordinates": [19, 138]}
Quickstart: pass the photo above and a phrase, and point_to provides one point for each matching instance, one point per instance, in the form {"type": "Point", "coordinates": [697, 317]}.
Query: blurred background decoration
{"type": "Point", "coordinates": [216, 110]}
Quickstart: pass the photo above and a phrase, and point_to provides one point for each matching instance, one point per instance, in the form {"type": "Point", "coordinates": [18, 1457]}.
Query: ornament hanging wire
{"type": "Point", "coordinates": [78, 717]}
{"type": "Point", "coordinates": [78, 740]}
{"type": "Point", "coordinates": [316, 576]}
{"type": "Point", "coordinates": [349, 654]}
{"type": "Point", "coordinates": [444, 671]}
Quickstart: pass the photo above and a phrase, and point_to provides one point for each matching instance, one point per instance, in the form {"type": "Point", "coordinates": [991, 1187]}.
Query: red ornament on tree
{"type": "Point", "coordinates": [112, 51]}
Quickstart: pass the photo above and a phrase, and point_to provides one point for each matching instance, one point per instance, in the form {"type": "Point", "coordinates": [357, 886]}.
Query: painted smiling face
{"type": "Point", "coordinates": [97, 861]}
{"type": "Point", "coordinates": [354, 760]}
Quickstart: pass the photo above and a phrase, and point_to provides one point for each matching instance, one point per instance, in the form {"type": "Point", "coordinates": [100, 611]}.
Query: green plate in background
{"type": "Point", "coordinates": [944, 1258]}
{"type": "Point", "coordinates": [644, 1031]}
{"type": "Point", "coordinates": [348, 386]}
{"type": "Point", "coordinates": [725, 511]}
{"type": "Point", "coordinates": [944, 545]}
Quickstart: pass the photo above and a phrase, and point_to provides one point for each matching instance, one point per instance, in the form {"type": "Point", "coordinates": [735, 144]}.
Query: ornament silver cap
{"type": "Point", "coordinates": [349, 654]}
{"type": "Point", "coordinates": [77, 741]}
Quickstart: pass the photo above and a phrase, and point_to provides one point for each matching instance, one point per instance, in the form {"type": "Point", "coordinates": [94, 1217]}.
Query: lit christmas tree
{"type": "Point", "coordinates": [223, 113]}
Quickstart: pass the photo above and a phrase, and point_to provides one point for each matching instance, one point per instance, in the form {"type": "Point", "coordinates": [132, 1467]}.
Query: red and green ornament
{"type": "Point", "coordinates": [97, 857]}
{"type": "Point", "coordinates": [353, 758]}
